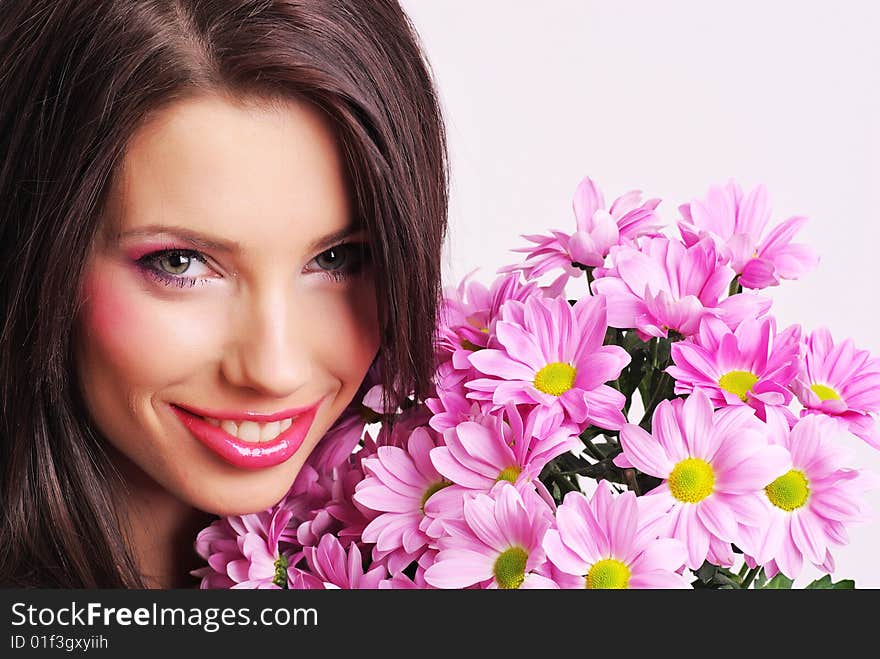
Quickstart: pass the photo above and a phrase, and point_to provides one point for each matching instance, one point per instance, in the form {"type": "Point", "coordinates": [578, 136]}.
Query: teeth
{"type": "Point", "coordinates": [251, 432]}
{"type": "Point", "coordinates": [269, 431]}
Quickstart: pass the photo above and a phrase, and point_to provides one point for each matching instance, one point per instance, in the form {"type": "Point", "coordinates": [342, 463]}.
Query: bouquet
{"type": "Point", "coordinates": [656, 430]}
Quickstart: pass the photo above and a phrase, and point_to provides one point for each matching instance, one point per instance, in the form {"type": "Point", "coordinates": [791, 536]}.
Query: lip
{"type": "Point", "coordinates": [257, 417]}
{"type": "Point", "coordinates": [244, 454]}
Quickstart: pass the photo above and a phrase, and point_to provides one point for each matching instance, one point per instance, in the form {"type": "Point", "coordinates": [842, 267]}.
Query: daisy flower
{"type": "Point", "coordinates": [501, 447]}
{"type": "Point", "coordinates": [243, 551]}
{"type": "Point", "coordinates": [338, 568]}
{"type": "Point", "coordinates": [468, 312]}
{"type": "Point", "coordinates": [810, 505]}
{"type": "Point", "coordinates": [841, 381]}
{"type": "Point", "coordinates": [752, 365]}
{"type": "Point", "coordinates": [398, 482]}
{"type": "Point", "coordinates": [400, 581]}
{"type": "Point", "coordinates": [597, 231]}
{"type": "Point", "coordinates": [737, 224]}
{"type": "Point", "coordinates": [498, 544]}
{"type": "Point", "coordinates": [338, 443]}
{"type": "Point", "coordinates": [663, 285]}
{"type": "Point", "coordinates": [603, 542]}
{"type": "Point", "coordinates": [714, 465]}
{"type": "Point", "coordinates": [451, 407]}
{"type": "Point", "coordinates": [551, 355]}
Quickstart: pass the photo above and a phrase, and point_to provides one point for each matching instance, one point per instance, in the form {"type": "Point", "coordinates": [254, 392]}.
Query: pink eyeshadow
{"type": "Point", "coordinates": [139, 251]}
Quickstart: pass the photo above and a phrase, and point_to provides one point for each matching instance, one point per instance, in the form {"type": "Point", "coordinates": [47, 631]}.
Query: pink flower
{"type": "Point", "coordinates": [737, 224]}
{"type": "Point", "coordinates": [322, 503]}
{"type": "Point", "coordinates": [597, 231]}
{"type": "Point", "coordinates": [498, 544]}
{"type": "Point", "coordinates": [841, 381]}
{"type": "Point", "coordinates": [713, 466]}
{"type": "Point", "coordinates": [468, 313]}
{"type": "Point", "coordinates": [551, 355]}
{"type": "Point", "coordinates": [400, 581]}
{"type": "Point", "coordinates": [339, 568]}
{"type": "Point", "coordinates": [243, 551]}
{"type": "Point", "coordinates": [664, 286]}
{"type": "Point", "coordinates": [752, 365]}
{"type": "Point", "coordinates": [605, 543]}
{"type": "Point", "coordinates": [810, 505]}
{"type": "Point", "coordinates": [338, 443]}
{"type": "Point", "coordinates": [502, 447]}
{"type": "Point", "coordinates": [398, 483]}
{"type": "Point", "coordinates": [451, 407]}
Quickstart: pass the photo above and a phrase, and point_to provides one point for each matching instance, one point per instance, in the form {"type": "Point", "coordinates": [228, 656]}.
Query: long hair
{"type": "Point", "coordinates": [77, 78]}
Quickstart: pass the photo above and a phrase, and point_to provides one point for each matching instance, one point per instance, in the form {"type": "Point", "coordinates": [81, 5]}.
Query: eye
{"type": "Point", "coordinates": [166, 266]}
{"type": "Point", "coordinates": [343, 261]}
{"type": "Point", "coordinates": [178, 263]}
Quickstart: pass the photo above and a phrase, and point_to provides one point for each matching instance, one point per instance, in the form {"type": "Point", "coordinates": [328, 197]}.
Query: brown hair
{"type": "Point", "coordinates": [77, 77]}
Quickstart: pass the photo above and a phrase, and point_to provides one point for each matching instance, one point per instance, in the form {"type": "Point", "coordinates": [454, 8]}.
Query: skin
{"type": "Point", "coordinates": [264, 329]}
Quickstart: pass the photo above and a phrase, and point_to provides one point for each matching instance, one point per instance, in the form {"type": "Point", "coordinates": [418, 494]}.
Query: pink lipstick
{"type": "Point", "coordinates": [249, 455]}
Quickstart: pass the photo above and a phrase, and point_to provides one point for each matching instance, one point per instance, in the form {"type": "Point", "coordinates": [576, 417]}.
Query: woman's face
{"type": "Point", "coordinates": [218, 290]}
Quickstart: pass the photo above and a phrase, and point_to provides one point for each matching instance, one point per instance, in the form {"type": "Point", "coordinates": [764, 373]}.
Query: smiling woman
{"type": "Point", "coordinates": [217, 219]}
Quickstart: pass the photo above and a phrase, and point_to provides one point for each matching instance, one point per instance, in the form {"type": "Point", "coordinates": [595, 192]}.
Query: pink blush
{"type": "Point", "coordinates": [120, 326]}
{"type": "Point", "coordinates": [107, 310]}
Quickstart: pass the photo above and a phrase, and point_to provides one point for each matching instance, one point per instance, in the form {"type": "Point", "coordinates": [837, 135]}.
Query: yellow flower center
{"type": "Point", "coordinates": [789, 491]}
{"type": "Point", "coordinates": [824, 393]}
{"type": "Point", "coordinates": [691, 480]}
{"type": "Point", "coordinates": [738, 382]}
{"type": "Point", "coordinates": [509, 474]}
{"type": "Point", "coordinates": [510, 568]}
{"type": "Point", "coordinates": [555, 378]}
{"type": "Point", "coordinates": [432, 488]}
{"type": "Point", "coordinates": [608, 573]}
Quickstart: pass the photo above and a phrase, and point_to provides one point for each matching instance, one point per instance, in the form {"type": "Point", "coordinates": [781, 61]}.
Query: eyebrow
{"type": "Point", "coordinates": [204, 241]}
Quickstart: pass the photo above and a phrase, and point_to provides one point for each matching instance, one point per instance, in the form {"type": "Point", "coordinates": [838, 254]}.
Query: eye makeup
{"type": "Point", "coordinates": [355, 256]}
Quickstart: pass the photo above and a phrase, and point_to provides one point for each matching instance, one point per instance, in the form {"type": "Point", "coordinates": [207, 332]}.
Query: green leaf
{"type": "Point", "coordinates": [825, 584]}
{"type": "Point", "coordinates": [761, 579]}
{"type": "Point", "coordinates": [779, 582]}
{"type": "Point", "coordinates": [712, 576]}
{"type": "Point", "coordinates": [706, 571]}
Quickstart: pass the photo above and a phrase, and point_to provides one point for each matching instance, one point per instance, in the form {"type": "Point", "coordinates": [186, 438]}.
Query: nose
{"type": "Point", "coordinates": [270, 352]}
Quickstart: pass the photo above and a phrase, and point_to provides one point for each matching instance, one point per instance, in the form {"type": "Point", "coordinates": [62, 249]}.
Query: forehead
{"type": "Point", "coordinates": [253, 174]}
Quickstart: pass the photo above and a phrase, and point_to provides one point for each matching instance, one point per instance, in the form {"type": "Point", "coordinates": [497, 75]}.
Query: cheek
{"type": "Point", "coordinates": [351, 339]}
{"type": "Point", "coordinates": [140, 339]}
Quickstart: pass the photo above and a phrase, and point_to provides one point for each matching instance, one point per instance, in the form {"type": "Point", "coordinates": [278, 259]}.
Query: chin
{"type": "Point", "coordinates": [242, 493]}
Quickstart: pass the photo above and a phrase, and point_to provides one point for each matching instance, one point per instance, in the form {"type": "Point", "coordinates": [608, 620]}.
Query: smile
{"type": "Point", "coordinates": [251, 432]}
{"type": "Point", "coordinates": [249, 440]}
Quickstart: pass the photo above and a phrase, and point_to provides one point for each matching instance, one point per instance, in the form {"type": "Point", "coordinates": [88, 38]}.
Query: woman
{"type": "Point", "coordinates": [216, 217]}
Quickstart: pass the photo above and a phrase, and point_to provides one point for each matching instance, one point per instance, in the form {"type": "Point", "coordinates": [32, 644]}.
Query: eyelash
{"type": "Point", "coordinates": [357, 251]}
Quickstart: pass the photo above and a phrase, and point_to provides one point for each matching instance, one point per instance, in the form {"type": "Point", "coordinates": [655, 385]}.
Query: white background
{"type": "Point", "coordinates": [670, 97]}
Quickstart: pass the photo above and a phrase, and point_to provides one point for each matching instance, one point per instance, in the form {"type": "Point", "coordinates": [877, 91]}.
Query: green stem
{"type": "Point", "coordinates": [656, 399]}
{"type": "Point", "coordinates": [750, 577]}
{"type": "Point", "coordinates": [592, 450]}
{"type": "Point", "coordinates": [630, 476]}
{"type": "Point", "coordinates": [564, 484]}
